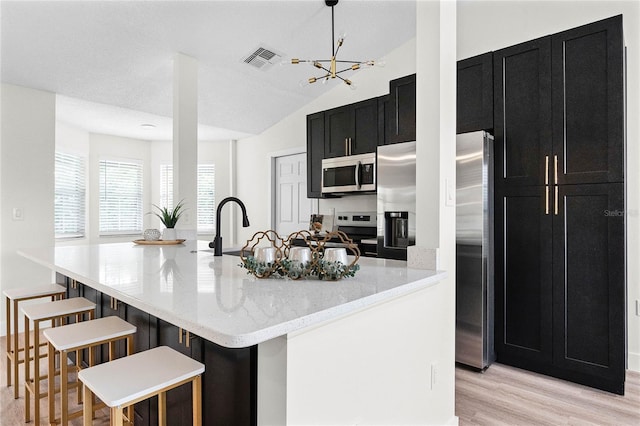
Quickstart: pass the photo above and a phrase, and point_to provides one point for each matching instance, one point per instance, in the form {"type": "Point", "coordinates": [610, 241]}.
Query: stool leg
{"type": "Point", "coordinates": [16, 352]}
{"type": "Point", "coordinates": [7, 311]}
{"type": "Point", "coordinates": [162, 409]}
{"type": "Point", "coordinates": [87, 410]}
{"type": "Point", "coordinates": [64, 396]}
{"type": "Point", "coordinates": [27, 373]}
{"type": "Point", "coordinates": [36, 371]}
{"type": "Point", "coordinates": [197, 401]}
{"type": "Point", "coordinates": [51, 397]}
{"type": "Point", "coordinates": [117, 416]}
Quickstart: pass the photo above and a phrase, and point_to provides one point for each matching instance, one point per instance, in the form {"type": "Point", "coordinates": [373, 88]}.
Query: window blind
{"type": "Point", "coordinates": [69, 211]}
{"type": "Point", "coordinates": [206, 203]}
{"type": "Point", "coordinates": [120, 197]}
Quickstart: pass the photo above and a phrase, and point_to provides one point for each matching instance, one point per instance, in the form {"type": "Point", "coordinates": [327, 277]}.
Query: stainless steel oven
{"type": "Point", "coordinates": [353, 173]}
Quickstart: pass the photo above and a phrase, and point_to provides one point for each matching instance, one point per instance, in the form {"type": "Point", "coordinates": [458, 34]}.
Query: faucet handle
{"type": "Point", "coordinates": [212, 244]}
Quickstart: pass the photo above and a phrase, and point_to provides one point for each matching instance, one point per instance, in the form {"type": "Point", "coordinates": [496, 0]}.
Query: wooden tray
{"type": "Point", "coordinates": [158, 242]}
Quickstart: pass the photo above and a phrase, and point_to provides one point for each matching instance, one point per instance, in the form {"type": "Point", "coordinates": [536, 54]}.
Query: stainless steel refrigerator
{"type": "Point", "coordinates": [396, 199]}
{"type": "Point", "coordinates": [474, 250]}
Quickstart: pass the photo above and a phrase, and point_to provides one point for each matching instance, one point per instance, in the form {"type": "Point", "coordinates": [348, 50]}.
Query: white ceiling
{"type": "Point", "coordinates": [112, 60]}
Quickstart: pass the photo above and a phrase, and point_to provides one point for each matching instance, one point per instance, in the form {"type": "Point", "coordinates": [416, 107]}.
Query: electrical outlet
{"type": "Point", "coordinates": [434, 375]}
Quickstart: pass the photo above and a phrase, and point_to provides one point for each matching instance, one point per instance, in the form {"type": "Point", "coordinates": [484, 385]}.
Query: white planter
{"type": "Point", "coordinates": [169, 234]}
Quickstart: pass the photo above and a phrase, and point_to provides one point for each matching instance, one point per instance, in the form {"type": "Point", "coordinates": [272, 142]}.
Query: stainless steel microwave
{"type": "Point", "coordinates": [352, 173]}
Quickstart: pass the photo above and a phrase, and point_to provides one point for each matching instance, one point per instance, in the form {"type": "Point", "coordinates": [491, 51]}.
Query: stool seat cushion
{"type": "Point", "coordinates": [88, 333]}
{"type": "Point", "coordinates": [118, 383]}
{"type": "Point", "coordinates": [57, 308]}
{"type": "Point", "coordinates": [34, 292]}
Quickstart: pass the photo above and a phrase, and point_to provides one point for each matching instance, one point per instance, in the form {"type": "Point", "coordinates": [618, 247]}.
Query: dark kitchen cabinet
{"type": "Point", "coordinates": [559, 194]}
{"type": "Point", "coordinates": [559, 108]}
{"type": "Point", "coordinates": [351, 129]}
{"type": "Point", "coordinates": [401, 123]}
{"type": "Point", "coordinates": [384, 117]}
{"type": "Point", "coordinates": [589, 284]}
{"type": "Point", "coordinates": [230, 382]}
{"type": "Point", "coordinates": [315, 154]}
{"type": "Point", "coordinates": [474, 105]}
{"type": "Point", "coordinates": [588, 103]}
{"type": "Point", "coordinates": [523, 287]}
{"type": "Point", "coordinates": [522, 99]}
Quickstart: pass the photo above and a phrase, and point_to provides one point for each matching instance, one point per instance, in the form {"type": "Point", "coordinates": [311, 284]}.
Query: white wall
{"type": "Point", "coordinates": [254, 185]}
{"type": "Point", "coordinates": [27, 167]}
{"type": "Point", "coordinates": [489, 25]}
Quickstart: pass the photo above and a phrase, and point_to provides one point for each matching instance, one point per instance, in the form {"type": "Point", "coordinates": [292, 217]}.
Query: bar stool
{"type": "Point", "coordinates": [126, 381]}
{"type": "Point", "coordinates": [76, 337]}
{"type": "Point", "coordinates": [59, 309]}
{"type": "Point", "coordinates": [15, 296]}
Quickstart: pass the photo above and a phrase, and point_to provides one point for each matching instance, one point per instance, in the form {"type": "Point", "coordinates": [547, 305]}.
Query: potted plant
{"type": "Point", "coordinates": [169, 218]}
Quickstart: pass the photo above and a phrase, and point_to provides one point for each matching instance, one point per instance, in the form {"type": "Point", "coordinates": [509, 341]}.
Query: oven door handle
{"type": "Point", "coordinates": [358, 170]}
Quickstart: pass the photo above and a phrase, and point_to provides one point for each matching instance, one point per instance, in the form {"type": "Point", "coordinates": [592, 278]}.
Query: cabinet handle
{"type": "Point", "coordinates": [555, 169]}
{"type": "Point", "coordinates": [346, 146]}
{"type": "Point", "coordinates": [546, 200]}
{"type": "Point", "coordinates": [187, 339]}
{"type": "Point", "coordinates": [546, 170]}
{"type": "Point", "coordinates": [555, 204]}
{"type": "Point", "coordinates": [114, 303]}
{"type": "Point", "coordinates": [350, 146]}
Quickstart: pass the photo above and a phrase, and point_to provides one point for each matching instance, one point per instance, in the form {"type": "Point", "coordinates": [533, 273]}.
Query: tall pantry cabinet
{"type": "Point", "coordinates": [559, 205]}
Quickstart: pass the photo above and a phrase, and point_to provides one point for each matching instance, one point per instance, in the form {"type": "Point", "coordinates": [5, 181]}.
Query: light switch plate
{"type": "Point", "coordinates": [18, 213]}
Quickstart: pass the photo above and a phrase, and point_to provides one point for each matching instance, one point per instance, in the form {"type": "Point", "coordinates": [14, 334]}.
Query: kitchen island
{"type": "Point", "coordinates": [280, 351]}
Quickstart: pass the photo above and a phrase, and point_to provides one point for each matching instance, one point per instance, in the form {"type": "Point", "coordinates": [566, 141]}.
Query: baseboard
{"type": "Point", "coordinates": [453, 421]}
{"type": "Point", "coordinates": [634, 362]}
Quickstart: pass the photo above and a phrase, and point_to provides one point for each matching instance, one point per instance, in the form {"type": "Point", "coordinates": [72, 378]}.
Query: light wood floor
{"type": "Point", "coordinates": [501, 395]}
{"type": "Point", "coordinates": [504, 395]}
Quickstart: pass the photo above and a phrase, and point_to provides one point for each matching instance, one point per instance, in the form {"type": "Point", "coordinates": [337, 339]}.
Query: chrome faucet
{"type": "Point", "coordinates": [216, 244]}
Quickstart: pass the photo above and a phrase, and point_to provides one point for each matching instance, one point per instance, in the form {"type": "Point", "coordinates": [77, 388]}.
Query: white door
{"type": "Point", "coordinates": [292, 207]}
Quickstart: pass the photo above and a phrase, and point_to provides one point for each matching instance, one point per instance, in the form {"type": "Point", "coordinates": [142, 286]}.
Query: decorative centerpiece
{"type": "Point", "coordinates": [310, 258]}
{"type": "Point", "coordinates": [169, 218]}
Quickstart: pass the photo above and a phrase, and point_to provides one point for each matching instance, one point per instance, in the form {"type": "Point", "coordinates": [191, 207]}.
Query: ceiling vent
{"type": "Point", "coordinates": [263, 58]}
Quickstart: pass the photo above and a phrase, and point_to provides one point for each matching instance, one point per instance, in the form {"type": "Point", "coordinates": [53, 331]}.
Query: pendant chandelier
{"type": "Point", "coordinates": [330, 66]}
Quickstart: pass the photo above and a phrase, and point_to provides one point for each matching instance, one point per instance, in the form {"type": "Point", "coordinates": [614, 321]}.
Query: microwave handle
{"type": "Point", "coordinates": [358, 167]}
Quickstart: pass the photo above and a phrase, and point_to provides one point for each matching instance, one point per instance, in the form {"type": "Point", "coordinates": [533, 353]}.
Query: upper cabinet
{"type": "Point", "coordinates": [475, 94]}
{"type": "Point", "coordinates": [315, 154]}
{"type": "Point", "coordinates": [559, 108]}
{"type": "Point", "coordinates": [587, 66]}
{"type": "Point", "coordinates": [351, 129]}
{"type": "Point", "coordinates": [400, 113]}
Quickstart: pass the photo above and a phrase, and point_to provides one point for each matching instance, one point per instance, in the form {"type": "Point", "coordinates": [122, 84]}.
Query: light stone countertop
{"type": "Point", "coordinates": [214, 298]}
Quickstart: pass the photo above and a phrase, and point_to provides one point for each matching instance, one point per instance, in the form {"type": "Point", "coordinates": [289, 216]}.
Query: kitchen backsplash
{"type": "Point", "coordinates": [349, 203]}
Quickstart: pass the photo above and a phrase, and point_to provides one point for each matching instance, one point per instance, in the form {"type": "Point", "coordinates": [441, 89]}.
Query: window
{"type": "Point", "coordinates": [120, 197]}
{"type": "Point", "coordinates": [69, 212]}
{"type": "Point", "coordinates": [206, 194]}
{"type": "Point", "coordinates": [206, 198]}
